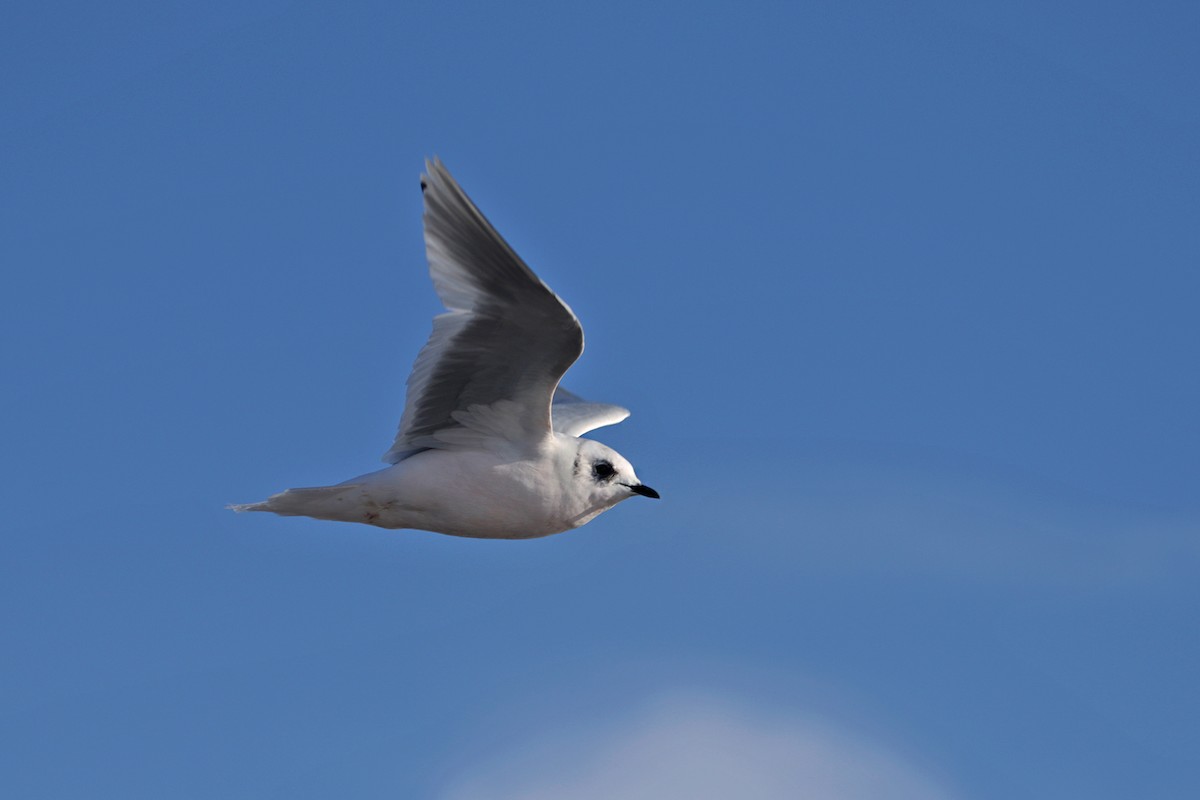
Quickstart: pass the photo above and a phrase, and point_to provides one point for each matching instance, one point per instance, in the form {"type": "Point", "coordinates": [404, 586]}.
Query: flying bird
{"type": "Point", "coordinates": [488, 445]}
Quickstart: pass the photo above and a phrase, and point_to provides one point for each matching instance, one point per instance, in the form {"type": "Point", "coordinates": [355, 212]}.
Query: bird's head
{"type": "Point", "coordinates": [604, 476]}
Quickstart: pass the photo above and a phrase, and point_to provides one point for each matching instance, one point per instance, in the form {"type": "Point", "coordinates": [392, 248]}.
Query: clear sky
{"type": "Point", "coordinates": [903, 297]}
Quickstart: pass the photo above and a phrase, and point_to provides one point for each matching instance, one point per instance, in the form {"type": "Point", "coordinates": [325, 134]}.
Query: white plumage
{"type": "Point", "coordinates": [487, 445]}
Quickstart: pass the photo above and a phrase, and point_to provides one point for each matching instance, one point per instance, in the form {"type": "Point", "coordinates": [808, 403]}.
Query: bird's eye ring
{"type": "Point", "coordinates": [603, 469]}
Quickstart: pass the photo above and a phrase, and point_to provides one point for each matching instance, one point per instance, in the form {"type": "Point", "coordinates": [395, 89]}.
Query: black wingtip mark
{"type": "Point", "coordinates": [423, 185]}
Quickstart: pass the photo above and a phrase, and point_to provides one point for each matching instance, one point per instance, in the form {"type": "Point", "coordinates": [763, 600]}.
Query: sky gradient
{"type": "Point", "coordinates": [902, 298]}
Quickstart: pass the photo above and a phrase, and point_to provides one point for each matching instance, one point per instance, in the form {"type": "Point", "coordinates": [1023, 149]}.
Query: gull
{"type": "Point", "coordinates": [488, 445]}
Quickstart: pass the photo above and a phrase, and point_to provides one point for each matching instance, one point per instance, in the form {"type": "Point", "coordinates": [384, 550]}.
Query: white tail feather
{"type": "Point", "coordinates": [341, 502]}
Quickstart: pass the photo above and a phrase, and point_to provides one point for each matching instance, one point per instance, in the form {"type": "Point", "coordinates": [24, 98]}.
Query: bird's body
{"type": "Point", "coordinates": [481, 493]}
{"type": "Point", "coordinates": [488, 445]}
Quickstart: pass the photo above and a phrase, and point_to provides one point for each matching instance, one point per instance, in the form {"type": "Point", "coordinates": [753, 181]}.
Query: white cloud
{"type": "Point", "coordinates": [698, 747]}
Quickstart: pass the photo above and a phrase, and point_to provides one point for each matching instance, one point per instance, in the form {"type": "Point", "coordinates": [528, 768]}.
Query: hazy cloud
{"type": "Point", "coordinates": [989, 528]}
{"type": "Point", "coordinates": [697, 747]}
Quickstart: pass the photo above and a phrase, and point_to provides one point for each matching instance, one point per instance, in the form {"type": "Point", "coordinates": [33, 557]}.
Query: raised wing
{"type": "Point", "coordinates": [505, 337]}
{"type": "Point", "coordinates": [575, 416]}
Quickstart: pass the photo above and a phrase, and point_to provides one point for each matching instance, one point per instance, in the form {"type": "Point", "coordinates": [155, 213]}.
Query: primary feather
{"type": "Point", "coordinates": [505, 335]}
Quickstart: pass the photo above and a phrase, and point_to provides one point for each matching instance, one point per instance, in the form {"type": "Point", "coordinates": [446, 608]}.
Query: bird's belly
{"type": "Point", "coordinates": [477, 524]}
{"type": "Point", "coordinates": [465, 497]}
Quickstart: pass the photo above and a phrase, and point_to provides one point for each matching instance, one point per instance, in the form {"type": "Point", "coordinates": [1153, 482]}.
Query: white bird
{"type": "Point", "coordinates": [488, 444]}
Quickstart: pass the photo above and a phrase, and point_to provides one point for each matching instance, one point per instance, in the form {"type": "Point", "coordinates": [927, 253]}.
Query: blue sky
{"type": "Point", "coordinates": [902, 297]}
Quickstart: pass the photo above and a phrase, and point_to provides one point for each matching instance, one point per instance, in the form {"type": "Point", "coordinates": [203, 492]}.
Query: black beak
{"type": "Point", "coordinates": [644, 491]}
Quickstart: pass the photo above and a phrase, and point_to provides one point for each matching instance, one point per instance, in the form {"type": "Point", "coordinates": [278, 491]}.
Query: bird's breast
{"type": "Point", "coordinates": [475, 494]}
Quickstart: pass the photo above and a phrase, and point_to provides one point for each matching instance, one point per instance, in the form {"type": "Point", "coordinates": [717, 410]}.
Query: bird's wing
{"type": "Point", "coordinates": [494, 358]}
{"type": "Point", "coordinates": [575, 416]}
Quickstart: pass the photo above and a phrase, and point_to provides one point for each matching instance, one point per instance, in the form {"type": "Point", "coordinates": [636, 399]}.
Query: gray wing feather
{"type": "Point", "coordinates": [575, 416]}
{"type": "Point", "coordinates": [505, 336]}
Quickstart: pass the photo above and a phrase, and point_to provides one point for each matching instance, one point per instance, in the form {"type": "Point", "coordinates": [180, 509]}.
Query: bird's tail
{"type": "Point", "coordinates": [323, 502]}
{"type": "Point", "coordinates": [240, 507]}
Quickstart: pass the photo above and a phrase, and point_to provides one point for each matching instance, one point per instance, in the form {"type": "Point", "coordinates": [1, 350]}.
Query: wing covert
{"type": "Point", "coordinates": [505, 335]}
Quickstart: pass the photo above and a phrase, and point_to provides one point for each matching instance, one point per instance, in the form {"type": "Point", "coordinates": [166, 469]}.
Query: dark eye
{"type": "Point", "coordinates": [603, 470]}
